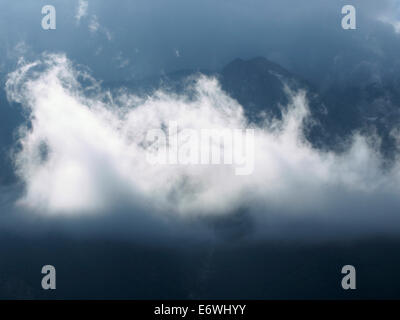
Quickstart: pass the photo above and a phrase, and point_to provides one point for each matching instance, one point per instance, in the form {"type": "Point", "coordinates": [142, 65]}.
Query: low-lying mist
{"type": "Point", "coordinates": [82, 161]}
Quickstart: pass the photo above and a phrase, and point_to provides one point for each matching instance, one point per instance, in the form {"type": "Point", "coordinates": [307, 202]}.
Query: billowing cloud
{"type": "Point", "coordinates": [85, 150]}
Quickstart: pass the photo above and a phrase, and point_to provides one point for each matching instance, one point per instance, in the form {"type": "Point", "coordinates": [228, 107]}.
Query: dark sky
{"type": "Point", "coordinates": [126, 39]}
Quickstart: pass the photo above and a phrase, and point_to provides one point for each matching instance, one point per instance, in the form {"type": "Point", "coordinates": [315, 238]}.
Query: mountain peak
{"type": "Point", "coordinates": [257, 84]}
{"type": "Point", "coordinates": [255, 65]}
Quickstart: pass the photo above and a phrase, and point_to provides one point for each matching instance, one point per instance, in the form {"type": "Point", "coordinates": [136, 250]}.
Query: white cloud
{"type": "Point", "coordinates": [108, 34]}
{"type": "Point", "coordinates": [94, 27]}
{"type": "Point", "coordinates": [121, 61]}
{"type": "Point", "coordinates": [87, 152]}
{"type": "Point", "coordinates": [391, 21]}
{"type": "Point", "coordinates": [94, 24]}
{"type": "Point", "coordinates": [388, 12]}
{"type": "Point", "coordinates": [81, 10]}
